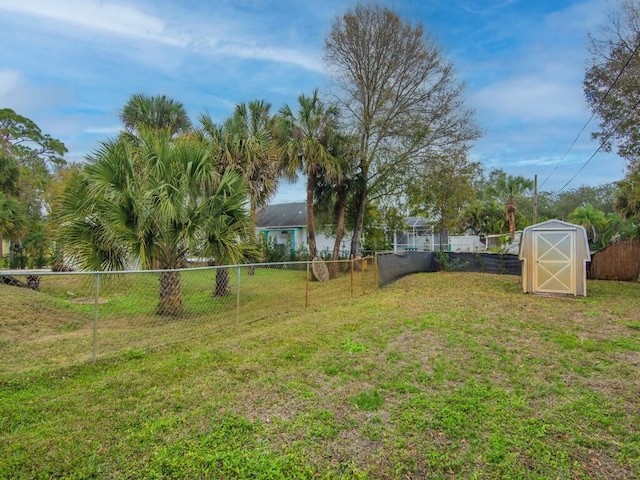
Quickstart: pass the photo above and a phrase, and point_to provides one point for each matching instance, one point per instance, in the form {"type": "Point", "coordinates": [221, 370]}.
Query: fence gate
{"type": "Point", "coordinates": [554, 269]}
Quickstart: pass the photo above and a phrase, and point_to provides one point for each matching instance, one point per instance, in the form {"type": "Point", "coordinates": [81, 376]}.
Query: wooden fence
{"type": "Point", "coordinates": [619, 261]}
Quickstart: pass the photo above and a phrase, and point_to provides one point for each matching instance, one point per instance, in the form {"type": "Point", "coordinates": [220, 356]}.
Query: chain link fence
{"type": "Point", "coordinates": [68, 318]}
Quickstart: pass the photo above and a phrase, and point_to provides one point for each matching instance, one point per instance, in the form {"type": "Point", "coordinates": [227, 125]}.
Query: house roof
{"type": "Point", "coordinates": [288, 215]}
{"type": "Point", "coordinates": [284, 215]}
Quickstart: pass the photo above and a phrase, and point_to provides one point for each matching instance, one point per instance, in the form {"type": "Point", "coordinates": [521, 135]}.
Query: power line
{"type": "Point", "coordinates": [570, 147]}
{"type": "Point", "coordinates": [633, 54]}
{"type": "Point", "coordinates": [609, 135]}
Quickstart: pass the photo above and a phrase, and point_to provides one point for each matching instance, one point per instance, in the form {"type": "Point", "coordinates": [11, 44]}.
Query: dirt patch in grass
{"type": "Point", "coordinates": [88, 301]}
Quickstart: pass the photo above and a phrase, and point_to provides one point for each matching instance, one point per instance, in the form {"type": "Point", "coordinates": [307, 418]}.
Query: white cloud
{"type": "Point", "coordinates": [280, 55]}
{"type": "Point", "coordinates": [487, 8]}
{"type": "Point", "coordinates": [540, 161]}
{"type": "Point", "coordinates": [91, 14]}
{"type": "Point", "coordinates": [211, 34]}
{"type": "Point", "coordinates": [541, 79]}
{"type": "Point", "coordinates": [25, 97]}
{"type": "Point", "coordinates": [530, 98]}
{"type": "Point", "coordinates": [109, 130]}
{"type": "Point", "coordinates": [582, 17]}
{"type": "Point", "coordinates": [10, 81]}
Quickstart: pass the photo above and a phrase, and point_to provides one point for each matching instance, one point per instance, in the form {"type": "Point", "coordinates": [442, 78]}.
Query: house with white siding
{"type": "Point", "coordinates": [417, 234]}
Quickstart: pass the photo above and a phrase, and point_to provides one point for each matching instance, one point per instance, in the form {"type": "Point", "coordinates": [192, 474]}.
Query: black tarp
{"type": "Point", "coordinates": [508, 264]}
{"type": "Point", "coordinates": [392, 266]}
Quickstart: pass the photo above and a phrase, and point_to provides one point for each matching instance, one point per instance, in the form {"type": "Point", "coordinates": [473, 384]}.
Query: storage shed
{"type": "Point", "coordinates": [554, 257]}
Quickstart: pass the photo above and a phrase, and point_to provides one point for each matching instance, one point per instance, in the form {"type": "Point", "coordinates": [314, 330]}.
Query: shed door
{"type": "Point", "coordinates": [554, 256]}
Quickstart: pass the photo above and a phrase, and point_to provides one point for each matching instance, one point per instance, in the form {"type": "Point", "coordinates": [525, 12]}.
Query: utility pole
{"type": "Point", "coordinates": [535, 199]}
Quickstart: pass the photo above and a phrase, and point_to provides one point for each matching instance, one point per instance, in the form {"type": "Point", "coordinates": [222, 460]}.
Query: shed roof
{"type": "Point", "coordinates": [283, 215]}
{"type": "Point", "coordinates": [551, 224]}
{"type": "Point", "coordinates": [559, 225]}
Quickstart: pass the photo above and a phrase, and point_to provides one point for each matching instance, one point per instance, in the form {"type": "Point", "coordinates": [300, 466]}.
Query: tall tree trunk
{"type": "Point", "coordinates": [361, 199]}
{"type": "Point", "coordinates": [511, 217]}
{"type": "Point", "coordinates": [342, 207]}
{"type": "Point", "coordinates": [441, 234]}
{"type": "Point", "coordinates": [253, 217]}
{"type": "Point", "coordinates": [311, 183]}
{"type": "Point", "coordinates": [170, 294]}
{"type": "Point", "coordinates": [222, 282]}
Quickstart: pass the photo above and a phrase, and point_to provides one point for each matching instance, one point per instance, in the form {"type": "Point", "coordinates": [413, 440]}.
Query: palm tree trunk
{"type": "Point", "coordinates": [511, 217]}
{"type": "Point", "coordinates": [311, 182]}
{"type": "Point", "coordinates": [33, 282]}
{"type": "Point", "coordinates": [253, 215]}
{"type": "Point", "coordinates": [222, 283]}
{"type": "Point", "coordinates": [342, 207]}
{"type": "Point", "coordinates": [170, 294]}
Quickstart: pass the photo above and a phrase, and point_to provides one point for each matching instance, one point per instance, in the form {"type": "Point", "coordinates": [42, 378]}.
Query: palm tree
{"type": "Point", "coordinates": [14, 215]}
{"type": "Point", "coordinates": [474, 218]}
{"type": "Point", "coordinates": [484, 217]}
{"type": "Point", "coordinates": [157, 113]}
{"type": "Point", "coordinates": [509, 188]}
{"type": "Point", "coordinates": [331, 192]}
{"type": "Point", "coordinates": [589, 218]}
{"type": "Point", "coordinates": [149, 204]}
{"type": "Point", "coordinates": [304, 138]}
{"type": "Point", "coordinates": [227, 227]}
{"type": "Point", "coordinates": [13, 218]}
{"type": "Point", "coordinates": [613, 229]}
{"type": "Point", "coordinates": [245, 143]}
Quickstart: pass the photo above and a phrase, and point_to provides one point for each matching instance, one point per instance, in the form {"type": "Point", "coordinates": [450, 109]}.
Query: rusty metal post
{"type": "Point", "coordinates": [352, 265]}
{"type": "Point", "coordinates": [375, 270]}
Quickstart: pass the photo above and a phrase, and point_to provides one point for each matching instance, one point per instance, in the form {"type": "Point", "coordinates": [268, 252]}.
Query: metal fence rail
{"type": "Point", "coordinates": [68, 318]}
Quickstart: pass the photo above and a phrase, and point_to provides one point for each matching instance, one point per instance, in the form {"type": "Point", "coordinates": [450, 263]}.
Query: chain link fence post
{"type": "Point", "coordinates": [306, 288]}
{"type": "Point", "coordinates": [238, 294]}
{"type": "Point", "coordinates": [96, 302]}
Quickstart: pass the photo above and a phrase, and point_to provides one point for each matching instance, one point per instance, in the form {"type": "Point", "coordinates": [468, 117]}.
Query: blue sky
{"type": "Point", "coordinates": [70, 65]}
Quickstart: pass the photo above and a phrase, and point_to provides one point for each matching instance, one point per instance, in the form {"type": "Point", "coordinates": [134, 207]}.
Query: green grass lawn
{"type": "Point", "coordinates": [59, 325]}
{"type": "Point", "coordinates": [441, 375]}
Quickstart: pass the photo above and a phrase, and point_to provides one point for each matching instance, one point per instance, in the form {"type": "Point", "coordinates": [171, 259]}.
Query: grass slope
{"type": "Point", "coordinates": [54, 327]}
{"type": "Point", "coordinates": [445, 375]}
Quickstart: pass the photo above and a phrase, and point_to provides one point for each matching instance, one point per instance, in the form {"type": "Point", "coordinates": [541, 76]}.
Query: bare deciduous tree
{"type": "Point", "coordinates": [401, 98]}
{"type": "Point", "coordinates": [611, 90]}
{"type": "Point", "coordinates": [611, 81]}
